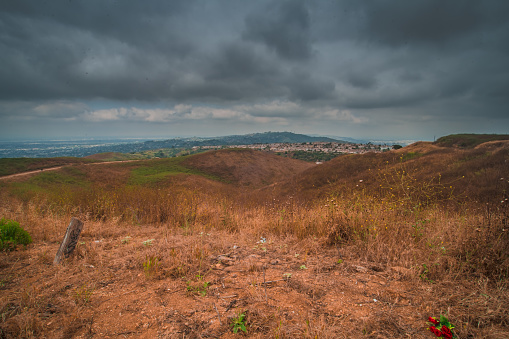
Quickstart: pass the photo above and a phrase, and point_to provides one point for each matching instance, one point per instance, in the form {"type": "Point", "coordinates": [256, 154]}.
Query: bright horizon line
{"type": "Point", "coordinates": [159, 137]}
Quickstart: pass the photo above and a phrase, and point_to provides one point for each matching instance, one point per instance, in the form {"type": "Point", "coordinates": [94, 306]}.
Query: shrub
{"type": "Point", "coordinates": [11, 234]}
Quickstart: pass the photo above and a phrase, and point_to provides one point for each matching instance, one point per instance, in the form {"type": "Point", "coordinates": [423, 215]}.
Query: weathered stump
{"type": "Point", "coordinates": [70, 240]}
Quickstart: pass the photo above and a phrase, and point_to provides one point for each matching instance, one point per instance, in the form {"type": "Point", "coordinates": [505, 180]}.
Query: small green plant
{"type": "Point", "coordinates": [419, 228]}
{"type": "Point", "coordinates": [424, 274]}
{"type": "Point", "coordinates": [82, 295]}
{"type": "Point", "coordinates": [199, 286]}
{"type": "Point", "coordinates": [150, 266]}
{"type": "Point", "coordinates": [340, 261]}
{"type": "Point", "coordinates": [442, 328]}
{"type": "Point", "coordinates": [11, 235]}
{"type": "Point", "coordinates": [126, 240]}
{"type": "Point", "coordinates": [303, 267]}
{"type": "Point", "coordinates": [239, 323]}
{"type": "Point", "coordinates": [199, 289]}
{"type": "Point", "coordinates": [287, 276]}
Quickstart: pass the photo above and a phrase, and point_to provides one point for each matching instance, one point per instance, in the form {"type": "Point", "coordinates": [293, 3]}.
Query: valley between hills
{"type": "Point", "coordinates": [245, 243]}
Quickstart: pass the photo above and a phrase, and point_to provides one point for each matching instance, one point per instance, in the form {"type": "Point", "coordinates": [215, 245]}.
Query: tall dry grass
{"type": "Point", "coordinates": [393, 218]}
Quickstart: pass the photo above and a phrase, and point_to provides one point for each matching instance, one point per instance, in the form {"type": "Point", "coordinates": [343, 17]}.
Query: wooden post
{"type": "Point", "coordinates": [70, 240]}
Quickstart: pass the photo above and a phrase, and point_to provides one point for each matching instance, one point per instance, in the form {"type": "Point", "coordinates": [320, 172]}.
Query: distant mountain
{"type": "Point", "coordinates": [267, 138]}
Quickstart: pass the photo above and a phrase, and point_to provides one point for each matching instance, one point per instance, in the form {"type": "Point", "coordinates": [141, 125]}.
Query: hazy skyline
{"type": "Point", "coordinates": [360, 69]}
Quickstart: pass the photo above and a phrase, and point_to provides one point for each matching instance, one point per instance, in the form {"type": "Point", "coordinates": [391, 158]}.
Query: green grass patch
{"type": "Point", "coordinates": [11, 235]}
{"type": "Point", "coordinates": [410, 156]}
{"type": "Point", "coordinates": [10, 166]}
{"type": "Point", "coordinates": [16, 165]}
{"type": "Point", "coordinates": [48, 182]}
{"type": "Point", "coordinates": [72, 177]}
{"type": "Point", "coordinates": [158, 170]}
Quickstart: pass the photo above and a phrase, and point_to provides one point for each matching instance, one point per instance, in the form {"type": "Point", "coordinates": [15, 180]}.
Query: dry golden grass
{"type": "Point", "coordinates": [363, 245]}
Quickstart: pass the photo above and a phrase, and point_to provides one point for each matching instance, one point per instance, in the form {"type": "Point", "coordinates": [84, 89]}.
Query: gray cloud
{"type": "Point", "coordinates": [362, 80]}
{"type": "Point", "coordinates": [431, 21]}
{"type": "Point", "coordinates": [62, 59]}
{"type": "Point", "coordinates": [283, 27]}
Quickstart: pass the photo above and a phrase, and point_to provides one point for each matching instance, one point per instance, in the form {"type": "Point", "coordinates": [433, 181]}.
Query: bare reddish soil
{"type": "Point", "coordinates": [287, 288]}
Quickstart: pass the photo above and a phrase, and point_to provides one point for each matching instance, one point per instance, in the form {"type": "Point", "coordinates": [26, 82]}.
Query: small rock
{"type": "Point", "coordinates": [223, 258]}
{"type": "Point", "coordinates": [360, 269]}
{"type": "Point", "coordinates": [403, 271]}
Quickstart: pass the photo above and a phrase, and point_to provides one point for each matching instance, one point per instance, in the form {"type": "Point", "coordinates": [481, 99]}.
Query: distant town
{"type": "Point", "coordinates": [325, 147]}
{"type": "Point", "coordinates": [309, 151]}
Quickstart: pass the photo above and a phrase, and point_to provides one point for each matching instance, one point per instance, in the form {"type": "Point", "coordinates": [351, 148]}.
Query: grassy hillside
{"type": "Point", "coordinates": [363, 245]}
{"type": "Point", "coordinates": [246, 167]}
{"type": "Point", "coordinates": [468, 140]}
{"type": "Point", "coordinates": [17, 165]}
{"type": "Point", "coordinates": [113, 156]}
{"type": "Point", "coordinates": [147, 154]}
{"type": "Point", "coordinates": [420, 169]}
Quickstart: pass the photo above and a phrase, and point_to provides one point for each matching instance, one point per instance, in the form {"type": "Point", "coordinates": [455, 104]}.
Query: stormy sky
{"type": "Point", "coordinates": [364, 69]}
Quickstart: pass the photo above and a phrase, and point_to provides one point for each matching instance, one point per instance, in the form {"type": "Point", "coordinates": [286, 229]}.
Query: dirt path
{"type": "Point", "coordinates": [57, 168]}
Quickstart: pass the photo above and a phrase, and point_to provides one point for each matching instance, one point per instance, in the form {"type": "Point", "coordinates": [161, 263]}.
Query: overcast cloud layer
{"type": "Point", "coordinates": [380, 69]}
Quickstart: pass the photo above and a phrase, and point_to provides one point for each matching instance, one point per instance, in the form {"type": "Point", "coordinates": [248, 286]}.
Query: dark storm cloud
{"type": "Point", "coordinates": [238, 61]}
{"type": "Point", "coordinates": [240, 71]}
{"type": "Point", "coordinates": [306, 87]}
{"type": "Point", "coordinates": [306, 56]}
{"type": "Point", "coordinates": [80, 49]}
{"type": "Point", "coordinates": [444, 49]}
{"type": "Point", "coordinates": [153, 51]}
{"type": "Point", "coordinates": [128, 21]}
{"type": "Point", "coordinates": [400, 23]}
{"type": "Point", "coordinates": [362, 80]}
{"type": "Point", "coordinates": [283, 27]}
{"type": "Point", "coordinates": [430, 21]}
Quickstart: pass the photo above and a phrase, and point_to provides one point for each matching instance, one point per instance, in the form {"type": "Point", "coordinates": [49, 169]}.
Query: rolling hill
{"type": "Point", "coordinates": [246, 167]}
{"type": "Point", "coordinates": [475, 173]}
{"type": "Point", "coordinates": [468, 140]}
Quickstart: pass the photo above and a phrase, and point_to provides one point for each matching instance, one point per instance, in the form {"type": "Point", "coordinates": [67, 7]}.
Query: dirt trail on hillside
{"type": "Point", "coordinates": [59, 167]}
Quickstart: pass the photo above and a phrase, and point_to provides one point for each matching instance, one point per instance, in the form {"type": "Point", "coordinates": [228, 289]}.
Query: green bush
{"type": "Point", "coordinates": [11, 234]}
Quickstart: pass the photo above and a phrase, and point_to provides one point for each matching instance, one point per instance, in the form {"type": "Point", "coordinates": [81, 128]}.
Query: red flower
{"type": "Point", "coordinates": [436, 331]}
{"type": "Point", "coordinates": [446, 332]}
{"type": "Point", "coordinates": [433, 320]}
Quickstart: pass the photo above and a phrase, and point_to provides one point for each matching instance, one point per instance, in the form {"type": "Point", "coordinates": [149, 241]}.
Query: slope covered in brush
{"type": "Point", "coordinates": [10, 166]}
{"type": "Point", "coordinates": [468, 140]}
{"type": "Point", "coordinates": [246, 167]}
{"type": "Point", "coordinates": [422, 168]}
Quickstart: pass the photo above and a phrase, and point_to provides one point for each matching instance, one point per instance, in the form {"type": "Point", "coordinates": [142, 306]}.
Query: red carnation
{"type": "Point", "coordinates": [436, 331]}
{"type": "Point", "coordinates": [446, 332]}
{"type": "Point", "coordinates": [433, 320]}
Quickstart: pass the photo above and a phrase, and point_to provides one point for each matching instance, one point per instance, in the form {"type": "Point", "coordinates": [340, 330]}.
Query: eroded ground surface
{"type": "Point", "coordinates": [121, 284]}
